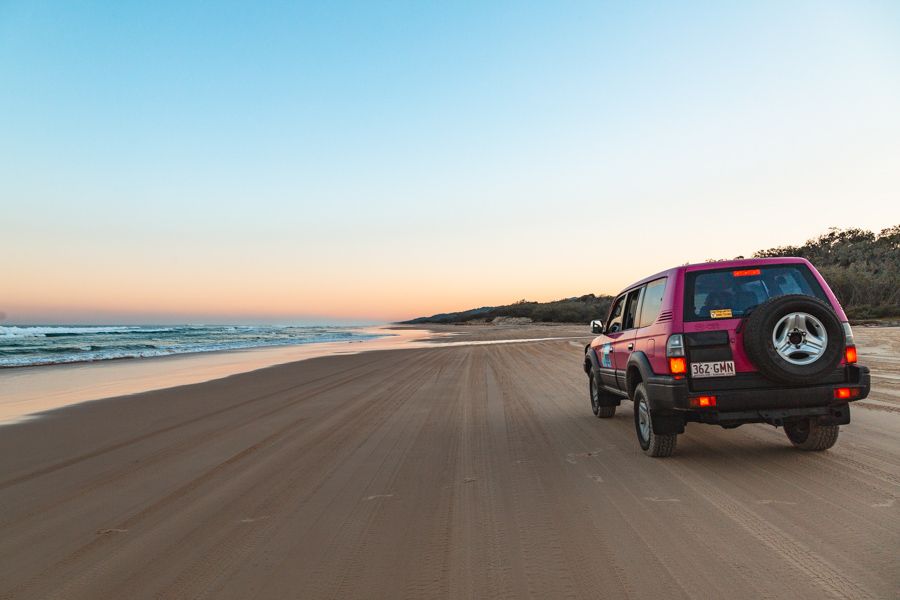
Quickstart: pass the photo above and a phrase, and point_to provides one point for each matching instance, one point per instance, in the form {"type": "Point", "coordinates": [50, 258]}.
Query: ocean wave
{"type": "Point", "coordinates": [9, 331]}
{"type": "Point", "coordinates": [43, 345]}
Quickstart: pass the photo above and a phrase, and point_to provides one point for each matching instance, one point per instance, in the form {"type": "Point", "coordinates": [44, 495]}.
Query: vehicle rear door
{"type": "Point", "coordinates": [623, 344]}
{"type": "Point", "coordinates": [611, 333]}
{"type": "Point", "coordinates": [650, 337]}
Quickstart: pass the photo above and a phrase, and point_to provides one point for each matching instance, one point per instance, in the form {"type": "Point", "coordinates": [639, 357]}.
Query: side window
{"type": "Point", "coordinates": [615, 315]}
{"type": "Point", "coordinates": [631, 307]}
{"type": "Point", "coordinates": [653, 296]}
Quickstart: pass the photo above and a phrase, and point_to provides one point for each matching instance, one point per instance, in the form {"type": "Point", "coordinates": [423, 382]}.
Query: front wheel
{"type": "Point", "coordinates": [809, 435]}
{"type": "Point", "coordinates": [600, 411]}
{"type": "Point", "coordinates": [651, 443]}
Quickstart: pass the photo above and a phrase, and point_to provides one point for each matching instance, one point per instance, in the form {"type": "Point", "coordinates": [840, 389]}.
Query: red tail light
{"type": "Point", "coordinates": [678, 365]}
{"type": "Point", "coordinates": [850, 354]}
{"type": "Point", "coordinates": [703, 401]}
{"type": "Point", "coordinates": [846, 393]}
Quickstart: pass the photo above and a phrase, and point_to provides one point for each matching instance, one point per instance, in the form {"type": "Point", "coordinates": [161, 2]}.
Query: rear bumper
{"type": "Point", "coordinates": [671, 396]}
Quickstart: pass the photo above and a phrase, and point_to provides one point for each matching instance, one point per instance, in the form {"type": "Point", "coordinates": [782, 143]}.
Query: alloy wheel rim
{"type": "Point", "coordinates": [644, 419]}
{"type": "Point", "coordinates": [799, 338]}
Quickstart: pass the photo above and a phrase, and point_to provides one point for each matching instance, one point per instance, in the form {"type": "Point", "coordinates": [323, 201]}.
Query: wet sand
{"type": "Point", "coordinates": [30, 390]}
{"type": "Point", "coordinates": [449, 471]}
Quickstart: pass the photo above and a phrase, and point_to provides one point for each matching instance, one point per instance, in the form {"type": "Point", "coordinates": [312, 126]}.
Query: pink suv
{"type": "Point", "coordinates": [728, 343]}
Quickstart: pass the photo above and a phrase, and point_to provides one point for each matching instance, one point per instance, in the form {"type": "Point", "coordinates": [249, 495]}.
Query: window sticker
{"type": "Point", "coordinates": [605, 356]}
{"type": "Point", "coordinates": [721, 313]}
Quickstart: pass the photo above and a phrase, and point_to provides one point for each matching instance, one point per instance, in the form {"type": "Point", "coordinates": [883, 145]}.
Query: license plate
{"type": "Point", "coordinates": [721, 368]}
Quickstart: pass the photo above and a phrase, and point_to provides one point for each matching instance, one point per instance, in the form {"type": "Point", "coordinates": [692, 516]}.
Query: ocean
{"type": "Point", "coordinates": [28, 345]}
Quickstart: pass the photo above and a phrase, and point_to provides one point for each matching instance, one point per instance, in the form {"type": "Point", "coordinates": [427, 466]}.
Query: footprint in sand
{"type": "Point", "coordinates": [886, 504]}
{"type": "Point", "coordinates": [776, 502]}
{"type": "Point", "coordinates": [596, 478]}
{"type": "Point", "coordinates": [111, 530]}
{"type": "Point", "coordinates": [655, 499]}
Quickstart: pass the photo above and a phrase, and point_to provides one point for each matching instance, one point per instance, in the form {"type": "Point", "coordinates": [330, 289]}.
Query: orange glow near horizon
{"type": "Point", "coordinates": [175, 297]}
{"type": "Point", "coordinates": [267, 282]}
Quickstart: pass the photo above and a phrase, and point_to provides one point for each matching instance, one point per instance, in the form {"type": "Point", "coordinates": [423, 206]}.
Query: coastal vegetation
{"type": "Point", "coordinates": [569, 310]}
{"type": "Point", "coordinates": [862, 268]}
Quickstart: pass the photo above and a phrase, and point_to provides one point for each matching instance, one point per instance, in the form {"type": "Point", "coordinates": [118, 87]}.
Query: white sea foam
{"type": "Point", "coordinates": [12, 331]}
{"type": "Point", "coordinates": [47, 344]}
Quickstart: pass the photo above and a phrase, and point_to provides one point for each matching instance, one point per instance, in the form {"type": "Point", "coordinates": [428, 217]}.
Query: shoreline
{"type": "Point", "coordinates": [29, 391]}
{"type": "Point", "coordinates": [375, 330]}
{"type": "Point", "coordinates": [4, 368]}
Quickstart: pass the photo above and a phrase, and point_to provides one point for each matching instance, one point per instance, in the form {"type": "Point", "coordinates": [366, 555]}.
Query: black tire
{"type": "Point", "coordinates": [760, 325]}
{"type": "Point", "coordinates": [599, 405]}
{"type": "Point", "coordinates": [652, 444]}
{"type": "Point", "coordinates": [811, 436]}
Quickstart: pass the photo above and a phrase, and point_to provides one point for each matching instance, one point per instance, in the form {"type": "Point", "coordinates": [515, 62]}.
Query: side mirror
{"type": "Point", "coordinates": [596, 326]}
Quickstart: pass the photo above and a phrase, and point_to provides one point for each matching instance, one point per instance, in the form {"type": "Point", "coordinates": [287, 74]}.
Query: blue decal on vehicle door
{"type": "Point", "coordinates": [606, 356]}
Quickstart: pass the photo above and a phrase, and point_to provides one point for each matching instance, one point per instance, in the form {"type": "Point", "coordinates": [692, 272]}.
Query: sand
{"type": "Point", "coordinates": [30, 390]}
{"type": "Point", "coordinates": [451, 471]}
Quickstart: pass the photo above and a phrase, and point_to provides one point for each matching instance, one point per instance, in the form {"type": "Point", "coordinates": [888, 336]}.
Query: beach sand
{"type": "Point", "coordinates": [464, 470]}
{"type": "Point", "coordinates": [30, 390]}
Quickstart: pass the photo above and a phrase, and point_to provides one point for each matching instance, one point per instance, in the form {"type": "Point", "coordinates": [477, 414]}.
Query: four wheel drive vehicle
{"type": "Point", "coordinates": [728, 343]}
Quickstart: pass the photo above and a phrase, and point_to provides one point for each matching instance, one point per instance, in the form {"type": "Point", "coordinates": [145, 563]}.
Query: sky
{"type": "Point", "coordinates": [375, 161]}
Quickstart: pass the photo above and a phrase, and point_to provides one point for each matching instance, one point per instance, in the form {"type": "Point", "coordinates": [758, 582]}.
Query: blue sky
{"type": "Point", "coordinates": [288, 160]}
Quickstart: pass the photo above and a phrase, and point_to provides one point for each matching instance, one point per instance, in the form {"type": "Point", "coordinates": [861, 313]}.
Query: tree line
{"type": "Point", "coordinates": [861, 267]}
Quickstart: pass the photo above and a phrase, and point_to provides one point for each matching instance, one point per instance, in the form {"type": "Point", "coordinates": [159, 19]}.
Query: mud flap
{"type": "Point", "coordinates": [665, 423]}
{"type": "Point", "coordinates": [838, 415]}
{"type": "Point", "coordinates": [607, 398]}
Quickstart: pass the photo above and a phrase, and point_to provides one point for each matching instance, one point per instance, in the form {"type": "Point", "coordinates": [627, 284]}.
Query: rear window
{"type": "Point", "coordinates": [732, 293]}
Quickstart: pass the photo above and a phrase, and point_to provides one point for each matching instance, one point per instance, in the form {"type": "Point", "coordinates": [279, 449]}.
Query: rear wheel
{"type": "Point", "coordinates": [810, 435]}
{"type": "Point", "coordinates": [651, 443]}
{"type": "Point", "coordinates": [600, 411]}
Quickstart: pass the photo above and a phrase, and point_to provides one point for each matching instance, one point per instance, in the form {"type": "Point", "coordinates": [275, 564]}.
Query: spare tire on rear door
{"type": "Point", "coordinates": [794, 339]}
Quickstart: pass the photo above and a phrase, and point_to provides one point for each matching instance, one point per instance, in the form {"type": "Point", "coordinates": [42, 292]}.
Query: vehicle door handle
{"type": "Point", "coordinates": [631, 346]}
